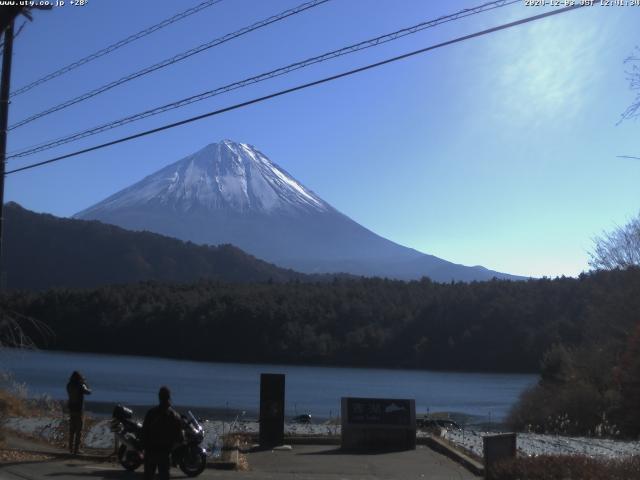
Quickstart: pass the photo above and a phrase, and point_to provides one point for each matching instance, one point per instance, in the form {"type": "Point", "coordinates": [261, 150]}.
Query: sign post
{"type": "Point", "coordinates": [497, 448]}
{"type": "Point", "coordinates": [271, 410]}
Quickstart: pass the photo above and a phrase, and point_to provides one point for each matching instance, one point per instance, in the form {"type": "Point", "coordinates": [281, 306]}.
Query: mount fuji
{"type": "Point", "coordinates": [230, 192]}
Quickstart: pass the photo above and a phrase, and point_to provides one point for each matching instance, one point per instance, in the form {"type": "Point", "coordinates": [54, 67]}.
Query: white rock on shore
{"type": "Point", "coordinates": [535, 444]}
{"type": "Point", "coordinates": [99, 436]}
{"type": "Point", "coordinates": [43, 427]}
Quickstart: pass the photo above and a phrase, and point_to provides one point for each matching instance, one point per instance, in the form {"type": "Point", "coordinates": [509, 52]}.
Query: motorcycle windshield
{"type": "Point", "coordinates": [193, 420]}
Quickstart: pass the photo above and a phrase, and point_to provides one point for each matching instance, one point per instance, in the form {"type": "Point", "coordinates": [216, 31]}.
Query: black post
{"type": "Point", "coordinates": [271, 410]}
{"type": "Point", "coordinates": [4, 123]}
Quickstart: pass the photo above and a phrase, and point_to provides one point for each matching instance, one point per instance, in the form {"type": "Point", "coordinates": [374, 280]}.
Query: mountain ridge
{"type": "Point", "coordinates": [230, 192]}
{"type": "Point", "coordinates": [43, 251]}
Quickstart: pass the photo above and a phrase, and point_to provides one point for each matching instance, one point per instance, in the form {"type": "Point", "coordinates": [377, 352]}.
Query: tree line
{"type": "Point", "coordinates": [498, 325]}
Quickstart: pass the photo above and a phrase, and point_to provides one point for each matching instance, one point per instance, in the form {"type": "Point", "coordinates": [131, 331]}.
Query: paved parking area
{"type": "Point", "coordinates": [328, 462]}
{"type": "Point", "coordinates": [313, 462]}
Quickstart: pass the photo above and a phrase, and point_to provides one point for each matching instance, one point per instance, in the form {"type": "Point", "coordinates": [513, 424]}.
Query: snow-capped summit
{"type": "Point", "coordinates": [222, 176]}
{"type": "Point", "coordinates": [231, 192]}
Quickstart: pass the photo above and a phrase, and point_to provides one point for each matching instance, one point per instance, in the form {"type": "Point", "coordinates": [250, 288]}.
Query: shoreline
{"type": "Point", "coordinates": [277, 364]}
{"type": "Point", "coordinates": [99, 436]}
{"type": "Point", "coordinates": [103, 410]}
{"type": "Point", "coordinates": [224, 390]}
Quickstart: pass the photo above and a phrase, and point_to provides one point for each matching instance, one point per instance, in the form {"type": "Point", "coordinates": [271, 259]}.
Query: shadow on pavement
{"type": "Point", "coordinates": [107, 474]}
{"type": "Point", "coordinates": [27, 462]}
{"type": "Point", "coordinates": [340, 451]}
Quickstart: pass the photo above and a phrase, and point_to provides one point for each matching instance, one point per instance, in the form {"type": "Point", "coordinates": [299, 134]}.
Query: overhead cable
{"type": "Point", "coordinates": [262, 77]}
{"type": "Point", "coordinates": [106, 50]}
{"type": "Point", "coordinates": [170, 61]}
{"type": "Point", "coordinates": [299, 87]}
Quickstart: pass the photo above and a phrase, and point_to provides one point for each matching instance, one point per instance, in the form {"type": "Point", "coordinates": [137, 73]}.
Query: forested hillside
{"type": "Point", "coordinates": [42, 251]}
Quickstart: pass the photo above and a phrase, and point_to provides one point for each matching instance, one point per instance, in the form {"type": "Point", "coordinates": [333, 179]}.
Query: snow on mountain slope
{"type": "Point", "coordinates": [225, 175]}
{"type": "Point", "coordinates": [230, 192]}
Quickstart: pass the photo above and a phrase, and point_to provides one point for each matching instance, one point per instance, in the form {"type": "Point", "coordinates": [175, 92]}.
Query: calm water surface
{"type": "Point", "coordinates": [135, 381]}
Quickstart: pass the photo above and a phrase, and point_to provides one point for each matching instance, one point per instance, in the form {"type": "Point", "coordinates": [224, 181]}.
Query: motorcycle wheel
{"type": "Point", "coordinates": [193, 462]}
{"type": "Point", "coordinates": [129, 459]}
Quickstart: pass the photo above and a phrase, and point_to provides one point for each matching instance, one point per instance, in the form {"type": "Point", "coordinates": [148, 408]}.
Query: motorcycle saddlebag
{"type": "Point", "coordinates": [122, 413]}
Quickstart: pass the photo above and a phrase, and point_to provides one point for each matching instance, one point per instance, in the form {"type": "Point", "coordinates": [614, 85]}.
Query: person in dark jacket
{"type": "Point", "coordinates": [76, 389]}
{"type": "Point", "coordinates": [161, 430]}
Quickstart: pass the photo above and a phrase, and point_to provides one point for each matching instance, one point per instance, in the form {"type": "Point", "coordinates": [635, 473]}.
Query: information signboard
{"type": "Point", "coordinates": [377, 411]}
{"type": "Point", "coordinates": [378, 424]}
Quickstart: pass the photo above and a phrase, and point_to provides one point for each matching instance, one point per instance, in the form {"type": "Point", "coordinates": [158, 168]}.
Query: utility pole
{"type": "Point", "coordinates": [4, 123]}
{"type": "Point", "coordinates": [7, 18]}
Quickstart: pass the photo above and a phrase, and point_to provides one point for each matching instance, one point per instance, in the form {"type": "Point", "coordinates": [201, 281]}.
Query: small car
{"type": "Point", "coordinates": [427, 423]}
{"type": "Point", "coordinates": [304, 418]}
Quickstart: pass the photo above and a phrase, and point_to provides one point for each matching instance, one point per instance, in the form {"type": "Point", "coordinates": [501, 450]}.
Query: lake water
{"type": "Point", "coordinates": [317, 390]}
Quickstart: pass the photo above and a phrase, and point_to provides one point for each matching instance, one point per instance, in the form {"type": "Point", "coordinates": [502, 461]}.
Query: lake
{"type": "Point", "coordinates": [234, 387]}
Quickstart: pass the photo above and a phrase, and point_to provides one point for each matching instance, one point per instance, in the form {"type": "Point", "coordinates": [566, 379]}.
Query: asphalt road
{"type": "Point", "coordinates": [313, 462]}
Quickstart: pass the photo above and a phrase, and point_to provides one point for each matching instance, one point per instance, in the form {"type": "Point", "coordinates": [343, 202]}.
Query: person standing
{"type": "Point", "coordinates": [161, 430]}
{"type": "Point", "coordinates": [76, 390]}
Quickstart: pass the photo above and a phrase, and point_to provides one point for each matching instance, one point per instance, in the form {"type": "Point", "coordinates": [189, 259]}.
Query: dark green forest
{"type": "Point", "coordinates": [582, 334]}
{"type": "Point", "coordinates": [484, 326]}
{"type": "Point", "coordinates": [42, 251]}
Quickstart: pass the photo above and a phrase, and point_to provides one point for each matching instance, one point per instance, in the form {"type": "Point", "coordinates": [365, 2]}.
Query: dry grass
{"type": "Point", "coordinates": [558, 467]}
{"type": "Point", "coordinates": [12, 405]}
{"type": "Point", "coordinates": [242, 440]}
{"type": "Point", "coordinates": [19, 456]}
{"type": "Point", "coordinates": [15, 404]}
{"type": "Point", "coordinates": [243, 463]}
{"type": "Point", "coordinates": [236, 442]}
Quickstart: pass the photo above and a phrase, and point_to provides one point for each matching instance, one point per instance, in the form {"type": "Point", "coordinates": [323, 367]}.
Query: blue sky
{"type": "Point", "coordinates": [500, 151]}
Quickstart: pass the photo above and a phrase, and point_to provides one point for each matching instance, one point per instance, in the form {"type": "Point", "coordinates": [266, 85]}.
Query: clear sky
{"type": "Point", "coordinates": [500, 151]}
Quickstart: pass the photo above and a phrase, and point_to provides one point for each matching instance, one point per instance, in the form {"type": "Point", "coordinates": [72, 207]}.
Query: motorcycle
{"type": "Point", "coordinates": [129, 435]}
{"type": "Point", "coordinates": [188, 455]}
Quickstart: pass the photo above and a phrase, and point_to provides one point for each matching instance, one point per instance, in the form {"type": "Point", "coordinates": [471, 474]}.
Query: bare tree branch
{"type": "Point", "coordinates": [633, 75]}
{"type": "Point", "coordinates": [13, 326]}
{"type": "Point", "coordinates": [619, 248]}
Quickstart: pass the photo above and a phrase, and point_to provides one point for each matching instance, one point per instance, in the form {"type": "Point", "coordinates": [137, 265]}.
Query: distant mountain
{"type": "Point", "coordinates": [232, 193]}
{"type": "Point", "coordinates": [43, 251]}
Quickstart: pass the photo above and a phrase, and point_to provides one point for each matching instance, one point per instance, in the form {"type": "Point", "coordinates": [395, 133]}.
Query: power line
{"type": "Point", "coordinates": [264, 76]}
{"type": "Point", "coordinates": [298, 87]}
{"type": "Point", "coordinates": [131, 38]}
{"type": "Point", "coordinates": [170, 61]}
